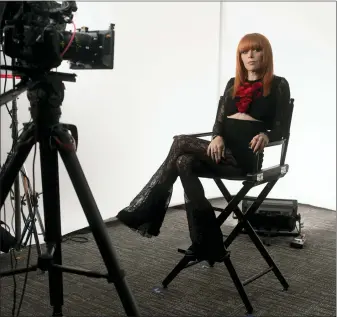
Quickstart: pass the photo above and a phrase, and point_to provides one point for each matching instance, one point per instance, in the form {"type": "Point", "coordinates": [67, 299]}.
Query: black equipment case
{"type": "Point", "coordinates": [275, 217]}
{"type": "Point", "coordinates": [273, 214]}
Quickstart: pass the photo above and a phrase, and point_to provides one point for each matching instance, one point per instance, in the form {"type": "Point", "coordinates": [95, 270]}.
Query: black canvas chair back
{"type": "Point", "coordinates": [269, 177]}
{"type": "Point", "coordinates": [288, 114]}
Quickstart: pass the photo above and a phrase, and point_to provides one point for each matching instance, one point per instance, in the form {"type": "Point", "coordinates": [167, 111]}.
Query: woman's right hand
{"type": "Point", "coordinates": [216, 149]}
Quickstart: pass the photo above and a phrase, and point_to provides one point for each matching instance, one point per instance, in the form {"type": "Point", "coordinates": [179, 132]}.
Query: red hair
{"type": "Point", "coordinates": [254, 41]}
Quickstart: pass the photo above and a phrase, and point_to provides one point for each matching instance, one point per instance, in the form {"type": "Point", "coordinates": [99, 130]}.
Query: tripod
{"type": "Point", "coordinates": [31, 200]}
{"type": "Point", "coordinates": [16, 191]}
{"type": "Point", "coordinates": [46, 94]}
{"type": "Point", "coordinates": [17, 205]}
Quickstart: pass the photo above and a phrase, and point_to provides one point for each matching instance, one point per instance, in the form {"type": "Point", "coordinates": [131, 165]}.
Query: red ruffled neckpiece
{"type": "Point", "coordinates": [247, 93]}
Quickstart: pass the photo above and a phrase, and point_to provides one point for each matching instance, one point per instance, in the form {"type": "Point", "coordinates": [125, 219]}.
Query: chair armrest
{"type": "Point", "coordinates": [200, 135]}
{"type": "Point", "coordinates": [264, 175]}
{"type": "Point", "coordinates": [203, 134]}
{"type": "Point", "coordinates": [275, 143]}
{"type": "Point", "coordinates": [268, 174]}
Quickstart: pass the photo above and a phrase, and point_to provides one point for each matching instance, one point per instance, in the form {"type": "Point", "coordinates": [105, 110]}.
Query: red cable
{"type": "Point", "coordinates": [65, 50]}
{"type": "Point", "coordinates": [71, 40]}
{"type": "Point", "coordinates": [9, 76]}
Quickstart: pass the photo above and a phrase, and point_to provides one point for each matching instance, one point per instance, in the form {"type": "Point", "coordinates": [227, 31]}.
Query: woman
{"type": "Point", "coordinates": [247, 119]}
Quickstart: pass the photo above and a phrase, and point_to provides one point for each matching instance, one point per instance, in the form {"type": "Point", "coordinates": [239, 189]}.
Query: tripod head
{"type": "Point", "coordinates": [45, 94]}
{"type": "Point", "coordinates": [31, 80]}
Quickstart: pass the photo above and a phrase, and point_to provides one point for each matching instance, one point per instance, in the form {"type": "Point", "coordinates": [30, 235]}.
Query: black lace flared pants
{"type": "Point", "coordinates": [187, 159]}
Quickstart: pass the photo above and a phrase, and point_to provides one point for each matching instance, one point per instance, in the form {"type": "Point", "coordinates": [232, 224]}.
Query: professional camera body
{"type": "Point", "coordinates": [34, 34]}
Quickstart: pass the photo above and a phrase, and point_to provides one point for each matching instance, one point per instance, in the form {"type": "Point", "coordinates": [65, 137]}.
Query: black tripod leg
{"type": "Point", "coordinates": [15, 160]}
{"type": "Point", "coordinates": [96, 223]}
{"type": "Point", "coordinates": [51, 206]}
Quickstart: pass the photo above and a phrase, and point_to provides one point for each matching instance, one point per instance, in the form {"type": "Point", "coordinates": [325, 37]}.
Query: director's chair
{"type": "Point", "coordinates": [268, 176]}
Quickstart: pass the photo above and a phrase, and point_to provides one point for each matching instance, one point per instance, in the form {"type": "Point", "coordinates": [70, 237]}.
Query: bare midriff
{"type": "Point", "coordinates": [242, 116]}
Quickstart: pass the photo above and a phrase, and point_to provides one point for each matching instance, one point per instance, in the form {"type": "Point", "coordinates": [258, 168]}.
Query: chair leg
{"type": "Point", "coordinates": [176, 270]}
{"type": "Point", "coordinates": [232, 272]}
{"type": "Point", "coordinates": [243, 223]}
{"type": "Point", "coordinates": [226, 194]}
{"type": "Point", "coordinates": [237, 282]}
{"type": "Point", "coordinates": [252, 209]}
{"type": "Point", "coordinates": [259, 245]}
{"type": "Point", "coordinates": [233, 202]}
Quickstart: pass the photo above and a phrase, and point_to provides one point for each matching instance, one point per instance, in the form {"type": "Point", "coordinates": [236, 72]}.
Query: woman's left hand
{"type": "Point", "coordinates": [259, 142]}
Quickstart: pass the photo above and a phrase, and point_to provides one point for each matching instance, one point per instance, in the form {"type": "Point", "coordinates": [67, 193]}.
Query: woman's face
{"type": "Point", "coordinates": [252, 59]}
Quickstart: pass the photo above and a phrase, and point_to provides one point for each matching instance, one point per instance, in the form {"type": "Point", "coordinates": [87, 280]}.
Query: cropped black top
{"type": "Point", "coordinates": [266, 109]}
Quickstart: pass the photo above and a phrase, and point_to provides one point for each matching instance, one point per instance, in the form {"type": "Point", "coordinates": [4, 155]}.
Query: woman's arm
{"type": "Point", "coordinates": [282, 99]}
{"type": "Point", "coordinates": [220, 115]}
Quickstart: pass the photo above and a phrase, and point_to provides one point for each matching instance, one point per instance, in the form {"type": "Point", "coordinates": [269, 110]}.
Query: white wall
{"type": "Point", "coordinates": [303, 37]}
{"type": "Point", "coordinates": [165, 82]}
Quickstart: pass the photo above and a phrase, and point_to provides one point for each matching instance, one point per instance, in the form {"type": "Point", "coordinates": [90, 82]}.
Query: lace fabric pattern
{"type": "Point", "coordinates": [188, 159]}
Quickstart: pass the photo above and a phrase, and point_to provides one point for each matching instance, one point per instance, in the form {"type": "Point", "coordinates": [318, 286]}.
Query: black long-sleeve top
{"type": "Point", "coordinates": [266, 109]}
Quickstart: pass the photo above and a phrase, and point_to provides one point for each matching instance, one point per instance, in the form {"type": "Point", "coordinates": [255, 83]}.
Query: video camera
{"type": "Point", "coordinates": [34, 34]}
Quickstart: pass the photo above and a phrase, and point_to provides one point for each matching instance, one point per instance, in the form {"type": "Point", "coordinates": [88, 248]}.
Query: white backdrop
{"type": "Point", "coordinates": [165, 82]}
{"type": "Point", "coordinates": [303, 38]}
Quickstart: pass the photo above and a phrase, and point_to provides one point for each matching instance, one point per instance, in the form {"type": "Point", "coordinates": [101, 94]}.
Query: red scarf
{"type": "Point", "coordinates": [247, 93]}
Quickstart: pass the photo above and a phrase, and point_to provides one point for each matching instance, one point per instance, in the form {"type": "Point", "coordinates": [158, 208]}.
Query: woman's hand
{"type": "Point", "coordinates": [259, 142]}
{"type": "Point", "coordinates": [216, 149]}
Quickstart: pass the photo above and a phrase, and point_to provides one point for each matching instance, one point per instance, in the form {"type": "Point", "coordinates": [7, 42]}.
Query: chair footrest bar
{"type": "Point", "coordinates": [218, 209]}
{"type": "Point", "coordinates": [183, 249]}
{"type": "Point", "coordinates": [192, 259]}
{"type": "Point", "coordinates": [192, 264]}
{"type": "Point", "coordinates": [255, 277]}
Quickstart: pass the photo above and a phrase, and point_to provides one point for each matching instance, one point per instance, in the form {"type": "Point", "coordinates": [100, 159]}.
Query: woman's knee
{"type": "Point", "coordinates": [179, 139]}
{"type": "Point", "coordinates": [185, 163]}
{"type": "Point", "coordinates": [181, 142]}
{"type": "Point", "coordinates": [186, 144]}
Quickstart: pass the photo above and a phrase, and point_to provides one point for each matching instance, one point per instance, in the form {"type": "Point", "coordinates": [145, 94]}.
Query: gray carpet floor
{"type": "Point", "coordinates": [197, 291]}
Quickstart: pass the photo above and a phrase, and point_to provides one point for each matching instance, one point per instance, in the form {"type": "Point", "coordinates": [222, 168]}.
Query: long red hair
{"type": "Point", "coordinates": [254, 41]}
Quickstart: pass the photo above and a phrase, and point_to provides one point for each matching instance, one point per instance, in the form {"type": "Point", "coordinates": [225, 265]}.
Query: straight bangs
{"type": "Point", "coordinates": [250, 42]}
